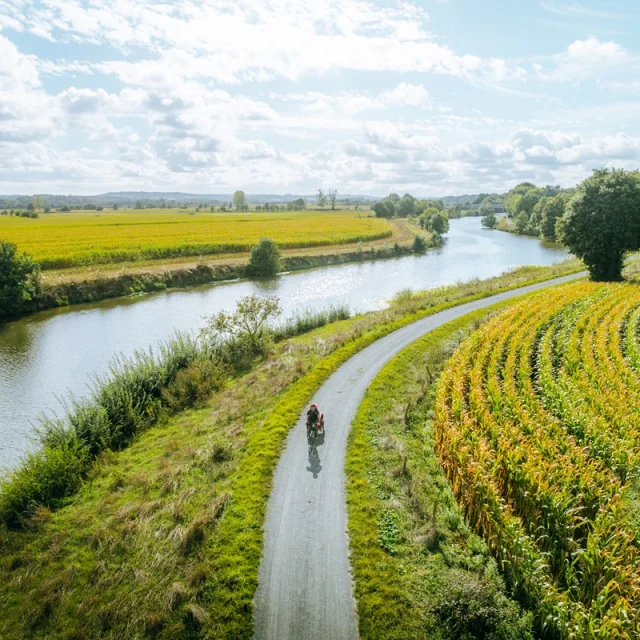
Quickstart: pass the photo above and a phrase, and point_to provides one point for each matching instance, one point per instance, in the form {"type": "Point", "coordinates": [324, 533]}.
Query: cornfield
{"type": "Point", "coordinates": [69, 240]}
{"type": "Point", "coordinates": [538, 429]}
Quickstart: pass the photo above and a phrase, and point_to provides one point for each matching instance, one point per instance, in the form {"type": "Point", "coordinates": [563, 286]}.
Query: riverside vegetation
{"type": "Point", "coordinates": [164, 537]}
{"type": "Point", "coordinates": [55, 288]}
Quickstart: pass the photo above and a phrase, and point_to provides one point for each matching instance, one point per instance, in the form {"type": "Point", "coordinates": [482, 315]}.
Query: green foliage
{"type": "Point", "coordinates": [129, 552]}
{"type": "Point", "coordinates": [265, 258]}
{"type": "Point", "coordinates": [489, 220]}
{"type": "Point", "coordinates": [439, 223]}
{"type": "Point", "coordinates": [239, 200]}
{"type": "Point", "coordinates": [390, 535]}
{"type": "Point", "coordinates": [309, 319]}
{"type": "Point", "coordinates": [406, 206]}
{"type": "Point", "coordinates": [522, 199]}
{"type": "Point", "coordinates": [195, 383]}
{"type": "Point", "coordinates": [472, 608]}
{"type": "Point", "coordinates": [521, 222]}
{"type": "Point", "coordinates": [602, 222]}
{"type": "Point", "coordinates": [419, 244]}
{"type": "Point", "coordinates": [19, 280]}
{"type": "Point", "coordinates": [385, 208]}
{"type": "Point", "coordinates": [332, 194]}
{"type": "Point", "coordinates": [434, 220]}
{"type": "Point", "coordinates": [552, 210]}
{"type": "Point", "coordinates": [49, 476]}
{"type": "Point", "coordinates": [239, 336]}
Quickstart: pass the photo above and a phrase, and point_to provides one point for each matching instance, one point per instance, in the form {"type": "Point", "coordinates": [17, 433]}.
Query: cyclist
{"type": "Point", "coordinates": [314, 420]}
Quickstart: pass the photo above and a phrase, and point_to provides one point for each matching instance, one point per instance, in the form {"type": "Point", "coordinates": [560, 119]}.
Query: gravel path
{"type": "Point", "coordinates": [305, 588]}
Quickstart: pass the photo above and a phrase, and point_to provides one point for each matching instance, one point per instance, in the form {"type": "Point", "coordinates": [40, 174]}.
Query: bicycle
{"type": "Point", "coordinates": [312, 434]}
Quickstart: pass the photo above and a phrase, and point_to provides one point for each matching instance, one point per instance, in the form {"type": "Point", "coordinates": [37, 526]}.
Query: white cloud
{"type": "Point", "coordinates": [243, 40]}
{"type": "Point", "coordinates": [577, 10]}
{"type": "Point", "coordinates": [182, 112]}
{"type": "Point", "coordinates": [588, 59]}
{"type": "Point", "coordinates": [414, 95]}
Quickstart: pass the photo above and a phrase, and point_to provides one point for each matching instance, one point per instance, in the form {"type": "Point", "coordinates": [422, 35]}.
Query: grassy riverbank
{"type": "Point", "coordinates": [164, 538]}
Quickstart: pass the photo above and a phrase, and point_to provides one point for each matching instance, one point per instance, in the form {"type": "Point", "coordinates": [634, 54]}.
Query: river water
{"type": "Point", "coordinates": [47, 355]}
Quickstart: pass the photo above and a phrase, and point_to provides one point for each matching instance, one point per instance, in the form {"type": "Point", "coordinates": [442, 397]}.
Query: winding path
{"type": "Point", "coordinates": [305, 589]}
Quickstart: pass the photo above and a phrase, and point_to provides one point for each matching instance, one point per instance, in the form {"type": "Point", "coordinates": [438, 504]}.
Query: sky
{"type": "Point", "coordinates": [430, 97]}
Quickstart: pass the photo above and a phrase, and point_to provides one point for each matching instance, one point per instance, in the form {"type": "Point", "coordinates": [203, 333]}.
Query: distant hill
{"type": "Point", "coordinates": [129, 198]}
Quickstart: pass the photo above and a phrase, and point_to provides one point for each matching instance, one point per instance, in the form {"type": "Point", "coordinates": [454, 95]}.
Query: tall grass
{"type": "Point", "coordinates": [121, 404]}
{"type": "Point", "coordinates": [309, 319]}
{"type": "Point", "coordinates": [129, 399]}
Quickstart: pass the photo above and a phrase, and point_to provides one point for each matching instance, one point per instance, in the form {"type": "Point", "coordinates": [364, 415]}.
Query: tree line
{"type": "Point", "coordinates": [430, 214]}
{"type": "Point", "coordinates": [598, 221]}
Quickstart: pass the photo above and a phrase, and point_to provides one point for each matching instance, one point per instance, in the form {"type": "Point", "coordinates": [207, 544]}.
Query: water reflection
{"type": "Point", "coordinates": [43, 356]}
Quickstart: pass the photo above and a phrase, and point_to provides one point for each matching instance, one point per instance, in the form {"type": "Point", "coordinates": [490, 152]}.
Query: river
{"type": "Point", "coordinates": [47, 355]}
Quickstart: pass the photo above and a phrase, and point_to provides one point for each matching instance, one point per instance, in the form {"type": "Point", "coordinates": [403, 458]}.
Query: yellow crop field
{"type": "Point", "coordinates": [538, 428]}
{"type": "Point", "coordinates": [74, 239]}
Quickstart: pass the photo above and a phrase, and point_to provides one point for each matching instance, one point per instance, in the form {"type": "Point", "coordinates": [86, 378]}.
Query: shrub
{"type": "Point", "coordinates": [195, 383]}
{"type": "Point", "coordinates": [19, 280]}
{"type": "Point", "coordinates": [48, 476]}
{"type": "Point", "coordinates": [240, 336]}
{"type": "Point", "coordinates": [474, 609]}
{"type": "Point", "coordinates": [265, 258]}
{"type": "Point", "coordinates": [489, 220]}
{"type": "Point", "coordinates": [419, 244]}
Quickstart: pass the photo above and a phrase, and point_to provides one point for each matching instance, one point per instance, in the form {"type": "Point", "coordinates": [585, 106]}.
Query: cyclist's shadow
{"type": "Point", "coordinates": [315, 467]}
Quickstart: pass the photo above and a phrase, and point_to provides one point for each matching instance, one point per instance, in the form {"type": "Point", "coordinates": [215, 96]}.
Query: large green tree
{"type": "Point", "coordinates": [19, 280]}
{"type": "Point", "coordinates": [406, 206]}
{"type": "Point", "coordinates": [602, 221]}
{"type": "Point", "coordinates": [439, 223]}
{"type": "Point", "coordinates": [513, 200]}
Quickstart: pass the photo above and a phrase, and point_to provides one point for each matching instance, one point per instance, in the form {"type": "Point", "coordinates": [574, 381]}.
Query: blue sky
{"type": "Point", "coordinates": [434, 97]}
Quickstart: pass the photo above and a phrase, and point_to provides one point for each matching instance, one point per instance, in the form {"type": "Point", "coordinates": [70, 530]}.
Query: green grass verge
{"type": "Point", "coordinates": [165, 539]}
{"type": "Point", "coordinates": [419, 571]}
{"type": "Point", "coordinates": [239, 545]}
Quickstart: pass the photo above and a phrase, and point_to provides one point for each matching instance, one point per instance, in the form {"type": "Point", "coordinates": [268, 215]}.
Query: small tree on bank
{"type": "Point", "coordinates": [602, 222]}
{"type": "Point", "coordinates": [419, 244]}
{"type": "Point", "coordinates": [244, 333]}
{"type": "Point", "coordinates": [265, 258]}
{"type": "Point", "coordinates": [19, 280]}
{"type": "Point", "coordinates": [489, 220]}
